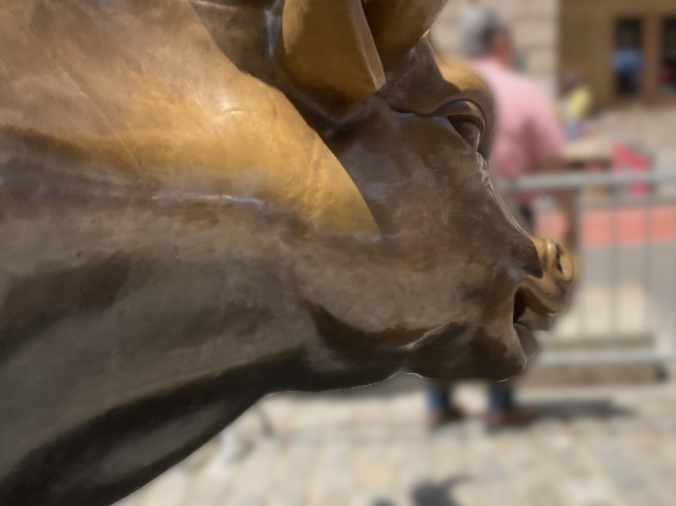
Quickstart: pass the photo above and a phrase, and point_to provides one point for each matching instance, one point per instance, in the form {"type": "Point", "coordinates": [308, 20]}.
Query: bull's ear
{"type": "Point", "coordinates": [398, 25]}
{"type": "Point", "coordinates": [328, 49]}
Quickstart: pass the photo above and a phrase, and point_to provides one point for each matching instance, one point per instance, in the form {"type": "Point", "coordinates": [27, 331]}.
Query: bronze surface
{"type": "Point", "coordinates": [197, 209]}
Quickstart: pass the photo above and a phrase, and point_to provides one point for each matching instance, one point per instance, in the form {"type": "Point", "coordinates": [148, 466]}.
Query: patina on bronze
{"type": "Point", "coordinates": [204, 203]}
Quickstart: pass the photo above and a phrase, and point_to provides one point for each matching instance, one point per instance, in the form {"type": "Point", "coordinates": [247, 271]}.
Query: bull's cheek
{"type": "Point", "coordinates": [373, 290]}
{"type": "Point", "coordinates": [496, 347]}
{"type": "Point", "coordinates": [527, 340]}
{"type": "Point", "coordinates": [469, 352]}
{"type": "Point", "coordinates": [498, 357]}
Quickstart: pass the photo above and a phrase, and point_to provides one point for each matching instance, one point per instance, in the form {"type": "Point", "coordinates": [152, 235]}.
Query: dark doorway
{"type": "Point", "coordinates": [667, 66]}
{"type": "Point", "coordinates": [628, 58]}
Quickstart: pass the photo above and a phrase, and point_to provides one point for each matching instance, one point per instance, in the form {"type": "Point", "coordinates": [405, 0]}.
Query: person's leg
{"type": "Point", "coordinates": [501, 397]}
{"type": "Point", "coordinates": [503, 410]}
{"type": "Point", "coordinates": [440, 406]}
{"type": "Point", "coordinates": [437, 397]}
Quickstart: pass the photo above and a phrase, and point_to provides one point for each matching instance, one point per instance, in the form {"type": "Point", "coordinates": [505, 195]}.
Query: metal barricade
{"type": "Point", "coordinates": [623, 308]}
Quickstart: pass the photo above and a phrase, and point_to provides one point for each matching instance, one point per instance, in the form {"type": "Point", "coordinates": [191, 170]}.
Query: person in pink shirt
{"type": "Point", "coordinates": [529, 138]}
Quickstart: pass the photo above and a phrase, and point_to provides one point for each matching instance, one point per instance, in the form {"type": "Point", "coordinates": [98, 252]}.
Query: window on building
{"type": "Point", "coordinates": [667, 69]}
{"type": "Point", "coordinates": [628, 59]}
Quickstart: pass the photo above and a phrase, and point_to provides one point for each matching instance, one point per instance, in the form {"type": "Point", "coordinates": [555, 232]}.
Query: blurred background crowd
{"type": "Point", "coordinates": [585, 153]}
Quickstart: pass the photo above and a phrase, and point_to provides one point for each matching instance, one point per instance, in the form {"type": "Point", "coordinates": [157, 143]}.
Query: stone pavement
{"type": "Point", "coordinates": [590, 447]}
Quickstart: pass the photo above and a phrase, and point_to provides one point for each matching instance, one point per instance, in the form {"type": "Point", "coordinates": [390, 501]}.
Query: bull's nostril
{"type": "Point", "coordinates": [519, 305]}
{"type": "Point", "coordinates": [559, 267]}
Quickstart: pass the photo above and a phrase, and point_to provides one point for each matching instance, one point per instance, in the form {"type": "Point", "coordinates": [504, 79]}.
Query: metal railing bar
{"type": "Point", "coordinates": [613, 266]}
{"type": "Point", "coordinates": [642, 268]}
{"type": "Point", "coordinates": [582, 317]}
{"type": "Point", "coordinates": [589, 357]}
{"type": "Point", "coordinates": [626, 200]}
{"type": "Point", "coordinates": [648, 256]}
{"type": "Point", "coordinates": [580, 180]}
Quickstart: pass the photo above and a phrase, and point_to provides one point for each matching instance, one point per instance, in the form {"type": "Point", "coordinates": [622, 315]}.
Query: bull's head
{"type": "Point", "coordinates": [202, 204]}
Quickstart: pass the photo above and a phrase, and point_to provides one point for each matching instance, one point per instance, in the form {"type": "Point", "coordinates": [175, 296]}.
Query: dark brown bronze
{"type": "Point", "coordinates": [204, 203]}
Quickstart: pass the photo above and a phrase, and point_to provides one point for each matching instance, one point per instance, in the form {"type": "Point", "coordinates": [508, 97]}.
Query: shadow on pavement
{"type": "Point", "coordinates": [430, 494]}
{"type": "Point", "coordinates": [590, 408]}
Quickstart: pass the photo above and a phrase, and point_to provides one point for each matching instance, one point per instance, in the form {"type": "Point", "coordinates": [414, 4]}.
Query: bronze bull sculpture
{"type": "Point", "coordinates": [202, 203]}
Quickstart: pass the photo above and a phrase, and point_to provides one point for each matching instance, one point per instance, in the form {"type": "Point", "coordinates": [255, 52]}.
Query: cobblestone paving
{"type": "Point", "coordinates": [590, 447]}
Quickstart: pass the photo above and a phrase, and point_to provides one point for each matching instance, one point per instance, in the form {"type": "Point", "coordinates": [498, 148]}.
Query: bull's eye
{"type": "Point", "coordinates": [468, 130]}
{"type": "Point", "coordinates": [467, 119]}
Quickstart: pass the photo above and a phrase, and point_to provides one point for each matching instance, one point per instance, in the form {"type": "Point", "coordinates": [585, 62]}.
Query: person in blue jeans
{"type": "Point", "coordinates": [529, 138]}
{"type": "Point", "coordinates": [502, 411]}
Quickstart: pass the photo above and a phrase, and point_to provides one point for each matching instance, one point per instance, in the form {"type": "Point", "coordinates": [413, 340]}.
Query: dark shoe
{"type": "Point", "coordinates": [514, 417]}
{"type": "Point", "coordinates": [437, 419]}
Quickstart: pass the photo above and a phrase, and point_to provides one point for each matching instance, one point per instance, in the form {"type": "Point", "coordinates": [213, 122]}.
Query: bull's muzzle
{"type": "Point", "coordinates": [548, 292]}
{"type": "Point", "coordinates": [543, 295]}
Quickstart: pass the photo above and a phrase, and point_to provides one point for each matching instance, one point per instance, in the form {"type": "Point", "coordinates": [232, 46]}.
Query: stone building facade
{"type": "Point", "coordinates": [625, 49]}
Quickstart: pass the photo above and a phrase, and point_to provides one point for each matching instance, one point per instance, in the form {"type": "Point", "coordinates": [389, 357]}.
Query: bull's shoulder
{"type": "Point", "coordinates": [146, 89]}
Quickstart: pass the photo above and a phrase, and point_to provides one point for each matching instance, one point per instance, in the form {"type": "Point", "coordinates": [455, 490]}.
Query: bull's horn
{"type": "Point", "coordinates": [328, 49]}
{"type": "Point", "coordinates": [398, 25]}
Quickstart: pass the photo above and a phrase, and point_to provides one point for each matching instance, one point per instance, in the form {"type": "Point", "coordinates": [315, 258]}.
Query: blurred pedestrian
{"type": "Point", "coordinates": [627, 62]}
{"type": "Point", "coordinates": [575, 106]}
{"type": "Point", "coordinates": [529, 138]}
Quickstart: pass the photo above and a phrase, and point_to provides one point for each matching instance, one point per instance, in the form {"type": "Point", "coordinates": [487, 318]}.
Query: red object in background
{"type": "Point", "coordinates": [630, 225]}
{"type": "Point", "coordinates": [627, 159]}
{"type": "Point", "coordinates": [626, 225]}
